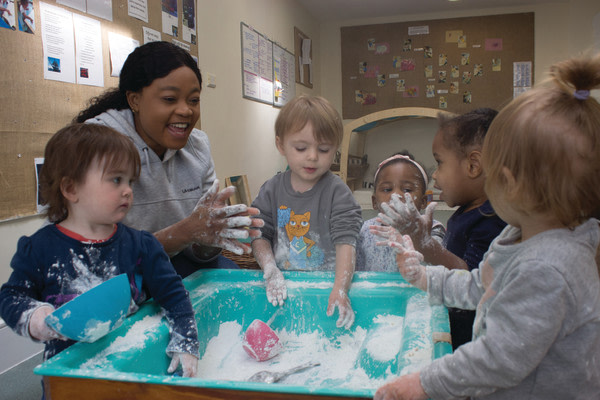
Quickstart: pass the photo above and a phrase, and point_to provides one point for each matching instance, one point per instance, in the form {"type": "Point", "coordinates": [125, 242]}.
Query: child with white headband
{"type": "Point", "coordinates": [459, 176]}
{"type": "Point", "coordinates": [398, 174]}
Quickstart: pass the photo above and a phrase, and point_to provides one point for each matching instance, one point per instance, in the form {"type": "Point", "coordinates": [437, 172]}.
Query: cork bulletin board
{"type": "Point", "coordinates": [452, 64]}
{"type": "Point", "coordinates": [33, 108]}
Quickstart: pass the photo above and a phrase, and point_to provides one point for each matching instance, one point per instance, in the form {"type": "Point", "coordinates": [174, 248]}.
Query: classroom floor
{"type": "Point", "coordinates": [20, 383]}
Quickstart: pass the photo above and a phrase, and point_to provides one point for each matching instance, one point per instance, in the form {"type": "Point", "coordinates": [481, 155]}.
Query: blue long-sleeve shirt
{"type": "Point", "coordinates": [470, 233]}
{"type": "Point", "coordinates": [50, 267]}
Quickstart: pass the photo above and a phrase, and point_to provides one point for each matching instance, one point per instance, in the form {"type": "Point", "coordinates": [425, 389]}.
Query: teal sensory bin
{"type": "Point", "coordinates": [396, 331]}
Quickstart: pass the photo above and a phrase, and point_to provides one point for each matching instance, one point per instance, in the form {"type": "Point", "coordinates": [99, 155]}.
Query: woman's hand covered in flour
{"type": "Point", "coordinates": [402, 214]}
{"type": "Point", "coordinates": [275, 283]}
{"type": "Point", "coordinates": [38, 329]}
{"type": "Point", "coordinates": [216, 224]}
{"type": "Point", "coordinates": [189, 364]}
{"type": "Point", "coordinates": [338, 298]}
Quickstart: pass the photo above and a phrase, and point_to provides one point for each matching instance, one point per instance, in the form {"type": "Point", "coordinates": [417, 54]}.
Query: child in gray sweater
{"type": "Point", "coordinates": [311, 218]}
{"type": "Point", "coordinates": [536, 292]}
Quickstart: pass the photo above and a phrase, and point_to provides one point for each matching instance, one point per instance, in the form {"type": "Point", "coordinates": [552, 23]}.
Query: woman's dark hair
{"type": "Point", "coordinates": [145, 64]}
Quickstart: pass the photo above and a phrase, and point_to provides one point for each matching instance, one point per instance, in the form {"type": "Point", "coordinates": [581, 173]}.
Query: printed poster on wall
{"type": "Point", "coordinates": [257, 66]}
{"type": "Point", "coordinates": [58, 43]}
{"type": "Point", "coordinates": [169, 17]}
{"type": "Point", "coordinates": [188, 26]}
{"type": "Point", "coordinates": [284, 76]}
{"type": "Point", "coordinates": [88, 55]}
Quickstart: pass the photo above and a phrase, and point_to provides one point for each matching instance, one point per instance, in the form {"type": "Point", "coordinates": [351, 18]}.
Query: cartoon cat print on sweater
{"type": "Point", "coordinates": [304, 253]}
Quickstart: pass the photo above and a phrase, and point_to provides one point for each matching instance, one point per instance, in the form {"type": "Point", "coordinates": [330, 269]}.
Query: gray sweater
{"type": "Point", "coordinates": [304, 228]}
{"type": "Point", "coordinates": [167, 190]}
{"type": "Point", "coordinates": [537, 329]}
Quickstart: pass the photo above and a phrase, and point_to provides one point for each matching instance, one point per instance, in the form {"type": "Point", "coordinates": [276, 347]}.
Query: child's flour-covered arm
{"type": "Point", "coordinates": [454, 288]}
{"type": "Point", "coordinates": [21, 296]}
{"type": "Point", "coordinates": [274, 281]}
{"type": "Point", "coordinates": [524, 317]}
{"type": "Point", "coordinates": [165, 286]}
{"type": "Point", "coordinates": [344, 271]}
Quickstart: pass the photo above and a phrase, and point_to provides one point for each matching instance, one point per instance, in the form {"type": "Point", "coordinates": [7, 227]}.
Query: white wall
{"type": "Point", "coordinates": [240, 130]}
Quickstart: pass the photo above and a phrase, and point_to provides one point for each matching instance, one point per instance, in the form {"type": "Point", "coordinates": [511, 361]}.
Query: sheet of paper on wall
{"type": "Point", "coordinates": [151, 35]}
{"type": "Point", "coordinates": [521, 77]}
{"type": "Point", "coordinates": [265, 69]}
{"type": "Point", "coordinates": [138, 9]}
{"type": "Point", "coordinates": [76, 4]}
{"type": "Point", "coordinates": [38, 162]}
{"type": "Point", "coordinates": [452, 36]}
{"type": "Point", "coordinates": [88, 55]}
{"type": "Point", "coordinates": [306, 51]}
{"type": "Point", "coordinates": [188, 22]}
{"type": "Point", "coordinates": [169, 17]}
{"type": "Point", "coordinates": [522, 74]}
{"type": "Point", "coordinates": [300, 69]}
{"type": "Point", "coordinates": [181, 45]}
{"type": "Point", "coordinates": [418, 30]}
{"type": "Point", "coordinates": [58, 43]}
{"type": "Point", "coordinates": [119, 46]}
{"type": "Point", "coordinates": [100, 8]}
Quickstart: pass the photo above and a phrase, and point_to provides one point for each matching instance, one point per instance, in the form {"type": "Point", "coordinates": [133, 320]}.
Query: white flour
{"type": "Point", "coordinates": [340, 357]}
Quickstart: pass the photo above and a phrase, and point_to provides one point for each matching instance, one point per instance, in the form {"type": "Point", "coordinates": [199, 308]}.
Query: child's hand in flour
{"type": "Point", "coordinates": [407, 387]}
{"type": "Point", "coordinates": [338, 298]}
{"type": "Point", "coordinates": [276, 288]}
{"type": "Point", "coordinates": [213, 223]}
{"type": "Point", "coordinates": [402, 214]}
{"type": "Point", "coordinates": [189, 364]}
{"type": "Point", "coordinates": [38, 329]}
{"type": "Point", "coordinates": [408, 259]}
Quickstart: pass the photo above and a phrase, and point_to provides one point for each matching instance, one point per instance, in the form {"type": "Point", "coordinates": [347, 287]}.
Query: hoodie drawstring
{"type": "Point", "coordinates": [147, 159]}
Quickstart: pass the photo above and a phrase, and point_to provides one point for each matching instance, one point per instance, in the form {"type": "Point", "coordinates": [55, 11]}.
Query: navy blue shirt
{"type": "Point", "coordinates": [469, 234]}
{"type": "Point", "coordinates": [52, 267]}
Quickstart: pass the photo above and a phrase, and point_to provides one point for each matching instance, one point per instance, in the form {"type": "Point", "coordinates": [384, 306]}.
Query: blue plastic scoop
{"type": "Point", "coordinates": [93, 314]}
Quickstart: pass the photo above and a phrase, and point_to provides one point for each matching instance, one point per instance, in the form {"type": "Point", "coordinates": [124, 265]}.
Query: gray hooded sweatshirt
{"type": "Point", "coordinates": [536, 333]}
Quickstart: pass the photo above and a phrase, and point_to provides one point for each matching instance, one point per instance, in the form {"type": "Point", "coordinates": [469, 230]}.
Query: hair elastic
{"type": "Point", "coordinates": [581, 94]}
{"type": "Point", "coordinates": [407, 158]}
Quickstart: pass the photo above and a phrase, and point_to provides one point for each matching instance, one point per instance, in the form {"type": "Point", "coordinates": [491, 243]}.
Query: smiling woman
{"type": "Point", "coordinates": [157, 105]}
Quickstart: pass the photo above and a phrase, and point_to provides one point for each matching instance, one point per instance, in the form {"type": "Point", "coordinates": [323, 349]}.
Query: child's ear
{"type": "Point", "coordinates": [68, 189]}
{"type": "Point", "coordinates": [474, 164]}
{"type": "Point", "coordinates": [279, 144]}
{"type": "Point", "coordinates": [511, 182]}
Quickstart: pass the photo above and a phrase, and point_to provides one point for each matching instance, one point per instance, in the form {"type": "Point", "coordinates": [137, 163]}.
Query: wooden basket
{"type": "Point", "coordinates": [244, 261]}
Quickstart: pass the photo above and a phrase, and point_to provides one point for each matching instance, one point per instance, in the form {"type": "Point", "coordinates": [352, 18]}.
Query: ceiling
{"type": "Point", "coordinates": [342, 10]}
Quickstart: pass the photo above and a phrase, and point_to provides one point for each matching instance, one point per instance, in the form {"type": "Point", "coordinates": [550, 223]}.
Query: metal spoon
{"type": "Point", "coordinates": [272, 377]}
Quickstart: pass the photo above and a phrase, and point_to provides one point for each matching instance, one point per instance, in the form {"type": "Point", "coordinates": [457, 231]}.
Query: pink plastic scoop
{"type": "Point", "coordinates": [260, 341]}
